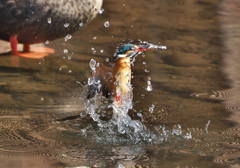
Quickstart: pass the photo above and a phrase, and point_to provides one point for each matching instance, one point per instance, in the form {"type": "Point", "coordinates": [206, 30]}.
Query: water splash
{"type": "Point", "coordinates": [157, 46]}
{"type": "Point", "coordinates": [120, 128]}
{"type": "Point", "coordinates": [207, 125]}
{"type": "Point", "coordinates": [153, 46]}
{"type": "Point", "coordinates": [151, 109]}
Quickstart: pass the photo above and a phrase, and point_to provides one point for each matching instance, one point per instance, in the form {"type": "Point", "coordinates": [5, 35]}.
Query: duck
{"type": "Point", "coordinates": [36, 21]}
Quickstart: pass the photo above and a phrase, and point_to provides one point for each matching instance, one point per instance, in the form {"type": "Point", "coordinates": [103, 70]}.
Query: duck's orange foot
{"type": "Point", "coordinates": [37, 53]}
{"type": "Point", "coordinates": [43, 50]}
{"type": "Point", "coordinates": [33, 55]}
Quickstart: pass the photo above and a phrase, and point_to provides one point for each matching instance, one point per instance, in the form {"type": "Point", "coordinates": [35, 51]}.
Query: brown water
{"type": "Point", "coordinates": [40, 105]}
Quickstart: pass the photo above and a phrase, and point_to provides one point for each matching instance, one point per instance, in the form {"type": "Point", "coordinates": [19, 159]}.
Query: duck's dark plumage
{"type": "Point", "coordinates": [34, 21]}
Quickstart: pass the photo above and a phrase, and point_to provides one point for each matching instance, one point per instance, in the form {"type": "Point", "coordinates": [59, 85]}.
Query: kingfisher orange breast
{"type": "Point", "coordinates": [122, 77]}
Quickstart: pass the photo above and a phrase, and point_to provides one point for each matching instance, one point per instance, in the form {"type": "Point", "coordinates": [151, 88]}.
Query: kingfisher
{"type": "Point", "coordinates": [115, 82]}
{"type": "Point", "coordinates": [37, 21]}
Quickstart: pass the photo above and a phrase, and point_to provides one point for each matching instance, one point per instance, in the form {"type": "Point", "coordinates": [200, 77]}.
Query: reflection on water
{"type": "Point", "coordinates": [40, 105]}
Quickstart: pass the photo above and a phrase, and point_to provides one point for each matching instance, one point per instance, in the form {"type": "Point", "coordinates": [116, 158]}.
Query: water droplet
{"type": "Point", "coordinates": [145, 70]}
{"type": "Point", "coordinates": [69, 57]}
{"type": "Point", "coordinates": [91, 81]}
{"type": "Point", "coordinates": [49, 20]}
{"type": "Point", "coordinates": [101, 11]}
{"type": "Point", "coordinates": [149, 86]}
{"type": "Point", "coordinates": [144, 63]}
{"type": "Point", "coordinates": [94, 51]}
{"type": "Point", "coordinates": [177, 129]}
{"type": "Point", "coordinates": [60, 69]}
{"type": "Point", "coordinates": [188, 135]}
{"type": "Point", "coordinates": [151, 109]}
{"type": "Point", "coordinates": [39, 63]}
{"type": "Point", "coordinates": [94, 38]}
{"type": "Point", "coordinates": [42, 98]}
{"type": "Point", "coordinates": [92, 65]}
{"type": "Point", "coordinates": [101, 51]}
{"type": "Point", "coordinates": [65, 51]}
{"type": "Point", "coordinates": [139, 115]}
{"type": "Point", "coordinates": [67, 37]}
{"type": "Point", "coordinates": [206, 128]}
{"type": "Point", "coordinates": [70, 71]}
{"type": "Point", "coordinates": [106, 24]}
{"type": "Point", "coordinates": [107, 59]}
{"type": "Point", "coordinates": [81, 24]}
{"type": "Point", "coordinates": [47, 42]}
{"type": "Point", "coordinates": [66, 25]}
{"type": "Point", "coordinates": [120, 166]}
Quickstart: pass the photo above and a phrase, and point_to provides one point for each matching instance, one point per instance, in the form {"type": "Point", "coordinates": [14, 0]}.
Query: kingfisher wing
{"type": "Point", "coordinates": [102, 82]}
{"type": "Point", "coordinates": [93, 89]}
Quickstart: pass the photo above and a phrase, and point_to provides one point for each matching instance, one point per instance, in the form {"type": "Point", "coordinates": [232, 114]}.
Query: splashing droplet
{"type": "Point", "coordinates": [206, 128]}
{"type": "Point", "coordinates": [49, 20]}
{"type": "Point", "coordinates": [177, 129]}
{"type": "Point", "coordinates": [145, 70]}
{"type": "Point", "coordinates": [188, 135]}
{"type": "Point", "coordinates": [93, 50]}
{"type": "Point", "coordinates": [67, 37]}
{"type": "Point", "coordinates": [92, 65]}
{"type": "Point", "coordinates": [149, 86]}
{"type": "Point", "coordinates": [101, 11]}
{"type": "Point", "coordinates": [106, 24]}
{"type": "Point", "coordinates": [65, 51]}
{"type": "Point", "coordinates": [107, 59]}
{"type": "Point", "coordinates": [66, 25]}
{"type": "Point", "coordinates": [120, 166]}
{"type": "Point", "coordinates": [101, 51]}
{"type": "Point", "coordinates": [151, 109]}
{"type": "Point", "coordinates": [81, 24]}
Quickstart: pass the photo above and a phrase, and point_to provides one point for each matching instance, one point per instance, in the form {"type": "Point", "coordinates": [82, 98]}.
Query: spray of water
{"type": "Point", "coordinates": [121, 127]}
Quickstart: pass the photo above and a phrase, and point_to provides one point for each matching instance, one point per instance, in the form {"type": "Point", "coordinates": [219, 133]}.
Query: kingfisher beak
{"type": "Point", "coordinates": [143, 47]}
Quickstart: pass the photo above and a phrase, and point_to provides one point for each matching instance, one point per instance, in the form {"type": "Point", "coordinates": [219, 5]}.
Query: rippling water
{"type": "Point", "coordinates": [195, 91]}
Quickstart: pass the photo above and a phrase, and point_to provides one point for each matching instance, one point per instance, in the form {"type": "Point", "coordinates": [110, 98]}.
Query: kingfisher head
{"type": "Point", "coordinates": [129, 50]}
